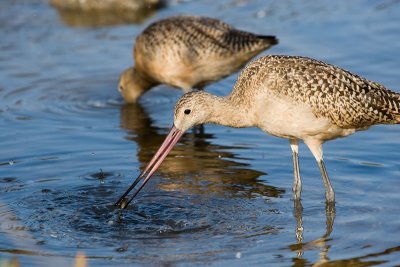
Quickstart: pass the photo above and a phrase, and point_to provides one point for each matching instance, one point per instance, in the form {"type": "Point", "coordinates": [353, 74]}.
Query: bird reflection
{"type": "Point", "coordinates": [320, 243]}
{"type": "Point", "coordinates": [79, 15]}
{"type": "Point", "coordinates": [202, 167]}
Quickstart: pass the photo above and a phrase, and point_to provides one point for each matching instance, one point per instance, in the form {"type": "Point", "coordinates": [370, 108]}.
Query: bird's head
{"type": "Point", "coordinates": [132, 84]}
{"type": "Point", "coordinates": [192, 109]}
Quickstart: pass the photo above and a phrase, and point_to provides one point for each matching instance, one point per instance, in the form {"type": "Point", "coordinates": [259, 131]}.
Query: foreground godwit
{"type": "Point", "coordinates": [188, 52]}
{"type": "Point", "coordinates": [291, 97]}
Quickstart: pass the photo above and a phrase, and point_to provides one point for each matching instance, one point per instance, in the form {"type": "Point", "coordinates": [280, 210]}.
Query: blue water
{"type": "Point", "coordinates": [70, 147]}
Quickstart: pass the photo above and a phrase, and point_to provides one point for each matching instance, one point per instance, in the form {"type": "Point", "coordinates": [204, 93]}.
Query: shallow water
{"type": "Point", "coordinates": [70, 147]}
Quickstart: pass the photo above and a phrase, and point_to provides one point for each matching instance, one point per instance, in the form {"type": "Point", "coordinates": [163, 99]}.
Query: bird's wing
{"type": "Point", "coordinates": [226, 39]}
{"type": "Point", "coordinates": [348, 100]}
{"type": "Point", "coordinates": [200, 34]}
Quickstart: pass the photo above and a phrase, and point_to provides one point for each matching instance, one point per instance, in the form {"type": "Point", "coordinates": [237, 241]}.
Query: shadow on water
{"type": "Point", "coordinates": [105, 13]}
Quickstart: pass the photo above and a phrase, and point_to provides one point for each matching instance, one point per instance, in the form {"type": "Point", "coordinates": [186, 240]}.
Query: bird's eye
{"type": "Point", "coordinates": [187, 111]}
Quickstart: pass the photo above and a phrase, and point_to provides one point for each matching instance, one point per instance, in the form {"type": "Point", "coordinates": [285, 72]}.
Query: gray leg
{"type": "Point", "coordinates": [330, 194]}
{"type": "Point", "coordinates": [316, 148]}
{"type": "Point", "coordinates": [296, 169]}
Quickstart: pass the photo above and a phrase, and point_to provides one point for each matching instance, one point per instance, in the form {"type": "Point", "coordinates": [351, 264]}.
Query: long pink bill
{"type": "Point", "coordinates": [169, 142]}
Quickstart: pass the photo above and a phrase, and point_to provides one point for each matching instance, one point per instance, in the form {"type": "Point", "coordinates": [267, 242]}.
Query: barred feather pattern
{"type": "Point", "coordinates": [347, 99]}
{"type": "Point", "coordinates": [203, 37]}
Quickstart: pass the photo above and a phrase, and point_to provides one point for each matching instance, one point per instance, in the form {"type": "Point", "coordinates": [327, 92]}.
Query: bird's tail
{"type": "Point", "coordinates": [271, 39]}
{"type": "Point", "coordinates": [396, 101]}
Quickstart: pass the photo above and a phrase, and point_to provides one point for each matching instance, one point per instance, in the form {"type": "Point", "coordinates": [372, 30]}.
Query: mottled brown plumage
{"type": "Point", "coordinates": [291, 97]}
{"type": "Point", "coordinates": [296, 98]}
{"type": "Point", "coordinates": [347, 99]}
{"type": "Point", "coordinates": [188, 52]}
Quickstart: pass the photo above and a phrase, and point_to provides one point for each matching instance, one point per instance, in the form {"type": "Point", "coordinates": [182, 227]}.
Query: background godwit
{"type": "Point", "coordinates": [188, 52]}
{"type": "Point", "coordinates": [296, 98]}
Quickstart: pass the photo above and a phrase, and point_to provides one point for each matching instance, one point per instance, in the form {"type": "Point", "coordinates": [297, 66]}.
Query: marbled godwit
{"type": "Point", "coordinates": [188, 52]}
{"type": "Point", "coordinates": [114, 5]}
{"type": "Point", "coordinates": [94, 13]}
{"type": "Point", "coordinates": [290, 97]}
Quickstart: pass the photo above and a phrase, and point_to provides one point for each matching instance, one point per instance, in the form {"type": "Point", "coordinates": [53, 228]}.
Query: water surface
{"type": "Point", "coordinates": [70, 147]}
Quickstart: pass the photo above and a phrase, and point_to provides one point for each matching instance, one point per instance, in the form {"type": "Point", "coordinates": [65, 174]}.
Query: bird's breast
{"type": "Point", "coordinates": [282, 117]}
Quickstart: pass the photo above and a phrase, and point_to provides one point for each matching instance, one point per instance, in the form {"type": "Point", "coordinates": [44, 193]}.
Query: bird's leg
{"type": "Point", "coordinates": [198, 130]}
{"type": "Point", "coordinates": [294, 145]}
{"type": "Point", "coordinates": [316, 149]}
{"type": "Point", "coordinates": [330, 194]}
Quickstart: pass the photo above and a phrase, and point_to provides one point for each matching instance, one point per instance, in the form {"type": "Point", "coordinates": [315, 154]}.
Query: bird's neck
{"type": "Point", "coordinates": [226, 112]}
{"type": "Point", "coordinates": [143, 81]}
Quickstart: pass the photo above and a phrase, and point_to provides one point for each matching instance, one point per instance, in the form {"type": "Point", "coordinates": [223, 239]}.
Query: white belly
{"type": "Point", "coordinates": [283, 118]}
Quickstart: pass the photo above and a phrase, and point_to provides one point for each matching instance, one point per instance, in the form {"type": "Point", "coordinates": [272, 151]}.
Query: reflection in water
{"type": "Point", "coordinates": [360, 261]}
{"type": "Point", "coordinates": [206, 165]}
{"type": "Point", "coordinates": [103, 13]}
{"type": "Point", "coordinates": [321, 242]}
